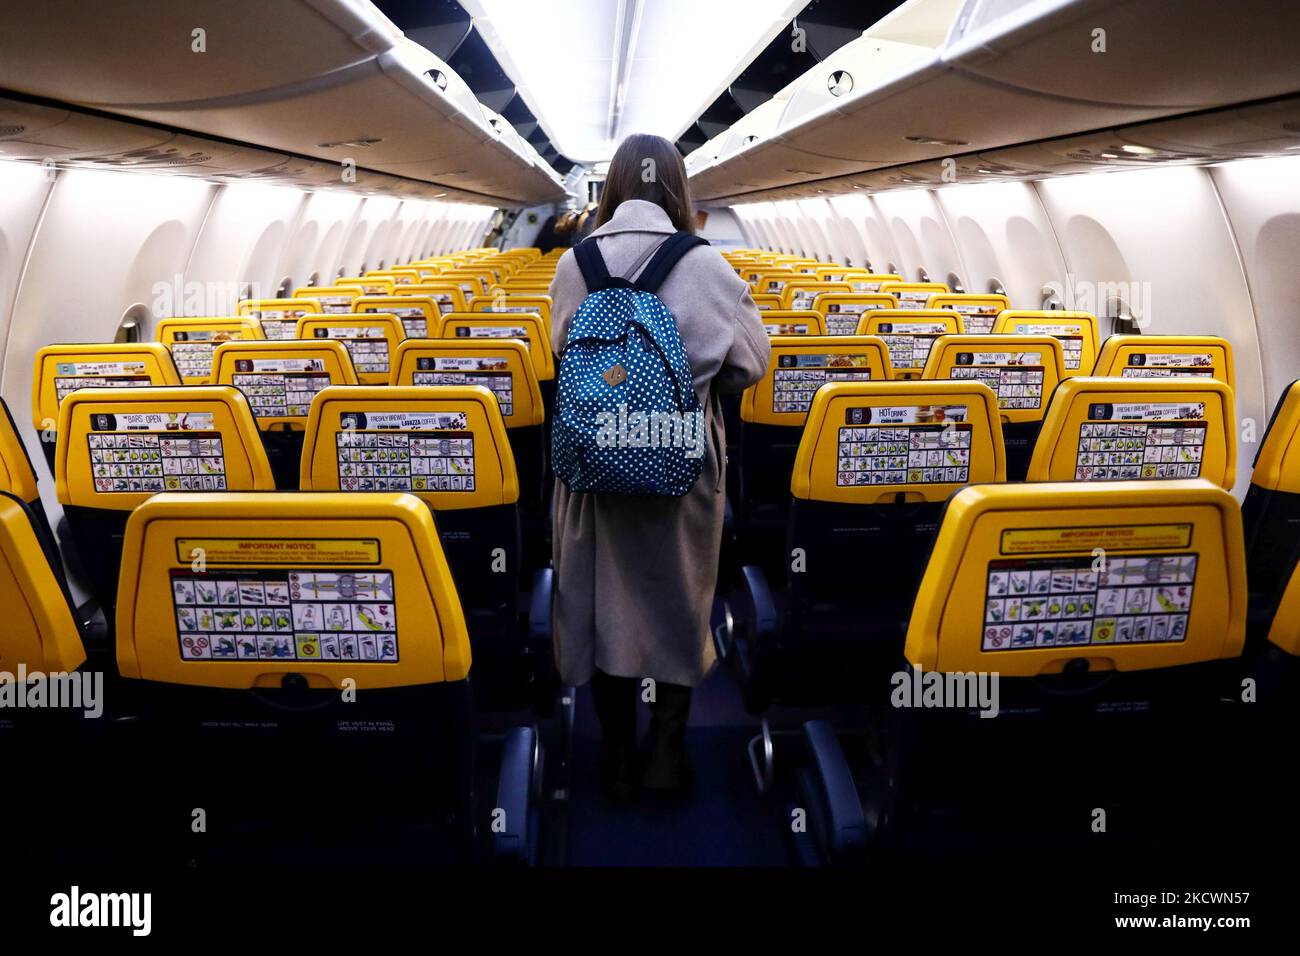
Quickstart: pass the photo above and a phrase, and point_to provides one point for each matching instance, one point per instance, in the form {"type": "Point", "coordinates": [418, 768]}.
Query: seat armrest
{"type": "Point", "coordinates": [846, 825]}
{"type": "Point", "coordinates": [539, 605]}
{"type": "Point", "coordinates": [760, 596]}
{"type": "Point", "coordinates": [511, 823]}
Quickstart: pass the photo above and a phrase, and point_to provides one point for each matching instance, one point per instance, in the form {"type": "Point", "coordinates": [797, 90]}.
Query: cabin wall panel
{"type": "Point", "coordinates": [848, 211]}
{"type": "Point", "coordinates": [242, 241]}
{"type": "Point", "coordinates": [107, 241]}
{"type": "Point", "coordinates": [1003, 232]}
{"type": "Point", "coordinates": [25, 188]}
{"type": "Point", "coordinates": [1261, 199]}
{"type": "Point", "coordinates": [921, 238]}
{"type": "Point", "coordinates": [1160, 235]}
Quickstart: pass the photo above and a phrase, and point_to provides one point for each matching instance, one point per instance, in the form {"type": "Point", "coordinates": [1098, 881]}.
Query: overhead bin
{"type": "Point", "coordinates": [36, 133]}
{"type": "Point", "coordinates": [1156, 55]}
{"type": "Point", "coordinates": [117, 58]}
{"type": "Point", "coordinates": [329, 79]}
{"type": "Point", "coordinates": [913, 97]}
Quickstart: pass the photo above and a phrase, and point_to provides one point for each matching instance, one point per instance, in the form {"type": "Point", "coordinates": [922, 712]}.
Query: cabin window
{"type": "Point", "coordinates": [1122, 319]}
{"type": "Point", "coordinates": [129, 327]}
{"type": "Point", "coordinates": [955, 283]}
{"type": "Point", "coordinates": [996, 286]}
{"type": "Point", "coordinates": [285, 288]}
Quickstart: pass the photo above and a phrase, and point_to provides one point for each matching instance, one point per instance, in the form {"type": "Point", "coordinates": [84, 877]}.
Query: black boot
{"type": "Point", "coordinates": [668, 768]}
{"type": "Point", "coordinates": [615, 700]}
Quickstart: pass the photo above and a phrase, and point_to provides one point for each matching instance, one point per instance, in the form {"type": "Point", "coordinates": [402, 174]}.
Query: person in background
{"type": "Point", "coordinates": [635, 575]}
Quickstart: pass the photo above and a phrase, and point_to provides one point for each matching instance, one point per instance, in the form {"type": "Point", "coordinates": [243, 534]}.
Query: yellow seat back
{"type": "Point", "coordinates": [843, 310]}
{"type": "Point", "coordinates": [370, 339]}
{"type": "Point", "coordinates": [1166, 356]}
{"type": "Point", "coordinates": [449, 295]}
{"type": "Point", "coordinates": [17, 476]}
{"type": "Point", "coordinates": [330, 298]}
{"type": "Point", "coordinates": [507, 303]}
{"type": "Point", "coordinates": [978, 311]}
{"type": "Point", "coordinates": [280, 378]}
{"type": "Point", "coordinates": [1107, 429]}
{"type": "Point", "coordinates": [119, 446]}
{"type": "Point", "coordinates": [1277, 463]}
{"type": "Point", "coordinates": [800, 293]}
{"type": "Point", "coordinates": [448, 445]}
{"type": "Point", "coordinates": [794, 322]}
{"type": "Point", "coordinates": [909, 334]}
{"type": "Point", "coordinates": [503, 366]}
{"type": "Point", "coordinates": [368, 285]}
{"type": "Point", "coordinates": [40, 632]}
{"type": "Point", "coordinates": [801, 364]}
{"type": "Point", "coordinates": [864, 280]}
{"type": "Point", "coordinates": [870, 442]}
{"type": "Point", "coordinates": [914, 295]}
{"type": "Point", "coordinates": [527, 327]}
{"type": "Point", "coordinates": [1024, 579]}
{"type": "Point", "coordinates": [193, 340]}
{"type": "Point", "coordinates": [334, 588]}
{"type": "Point", "coordinates": [419, 313]}
{"type": "Point", "coordinates": [279, 317]}
{"type": "Point", "coordinates": [1076, 330]}
{"type": "Point", "coordinates": [1022, 370]}
{"type": "Point", "coordinates": [62, 369]}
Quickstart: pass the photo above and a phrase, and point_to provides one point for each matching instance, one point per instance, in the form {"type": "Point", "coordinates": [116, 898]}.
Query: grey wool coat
{"type": "Point", "coordinates": [635, 575]}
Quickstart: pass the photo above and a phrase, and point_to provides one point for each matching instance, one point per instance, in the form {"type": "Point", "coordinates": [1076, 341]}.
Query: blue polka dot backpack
{"type": "Point", "coordinates": [627, 419]}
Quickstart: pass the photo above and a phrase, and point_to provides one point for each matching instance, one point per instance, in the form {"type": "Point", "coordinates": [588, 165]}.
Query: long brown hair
{"type": "Point", "coordinates": [650, 168]}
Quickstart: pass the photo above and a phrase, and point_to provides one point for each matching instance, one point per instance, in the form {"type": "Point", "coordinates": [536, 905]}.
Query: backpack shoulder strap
{"type": "Point", "coordinates": [592, 264]}
{"type": "Point", "coordinates": [594, 271]}
{"type": "Point", "coordinates": [671, 250]}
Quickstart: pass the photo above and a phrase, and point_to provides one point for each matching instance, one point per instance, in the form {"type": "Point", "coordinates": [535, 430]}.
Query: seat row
{"type": "Point", "coordinates": [384, 626]}
{"type": "Point", "coordinates": [315, 644]}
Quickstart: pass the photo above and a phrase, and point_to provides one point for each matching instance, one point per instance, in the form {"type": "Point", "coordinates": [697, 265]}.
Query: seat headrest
{"type": "Point", "coordinates": [193, 340]}
{"type": "Point", "coordinates": [1166, 356]}
{"type": "Point", "coordinates": [370, 339]}
{"type": "Point", "coordinates": [240, 590]}
{"type": "Point", "coordinates": [118, 446]}
{"type": "Point", "coordinates": [62, 369]}
{"type": "Point", "coordinates": [1077, 332]}
{"type": "Point", "coordinates": [40, 629]}
{"type": "Point", "coordinates": [869, 442]}
{"type": "Point", "coordinates": [1025, 579]}
{"type": "Point", "coordinates": [800, 364]}
{"type": "Point", "coordinates": [446, 444]}
{"type": "Point", "coordinates": [1110, 429]}
{"type": "Point", "coordinates": [1023, 370]}
{"type": "Point", "coordinates": [279, 378]}
{"type": "Point", "coordinates": [502, 365]}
